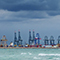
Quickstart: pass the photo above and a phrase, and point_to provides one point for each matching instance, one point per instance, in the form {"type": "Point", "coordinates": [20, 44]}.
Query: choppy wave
{"type": "Point", "coordinates": [48, 54]}
{"type": "Point", "coordinates": [23, 53]}
{"type": "Point", "coordinates": [36, 58]}
{"type": "Point", "coordinates": [26, 53]}
{"type": "Point", "coordinates": [30, 54]}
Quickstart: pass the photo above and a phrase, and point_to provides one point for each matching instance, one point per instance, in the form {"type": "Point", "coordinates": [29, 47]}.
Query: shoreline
{"type": "Point", "coordinates": [29, 48]}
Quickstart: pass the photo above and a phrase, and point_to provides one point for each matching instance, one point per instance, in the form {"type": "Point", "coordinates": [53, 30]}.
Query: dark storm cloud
{"type": "Point", "coordinates": [10, 16]}
{"type": "Point", "coordinates": [53, 13]}
{"type": "Point", "coordinates": [17, 5]}
{"type": "Point", "coordinates": [23, 10]}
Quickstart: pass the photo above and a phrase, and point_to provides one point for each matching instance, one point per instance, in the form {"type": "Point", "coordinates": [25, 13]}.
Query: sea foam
{"type": "Point", "coordinates": [48, 54]}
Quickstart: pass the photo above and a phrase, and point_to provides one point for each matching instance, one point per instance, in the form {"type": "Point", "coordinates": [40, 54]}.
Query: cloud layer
{"type": "Point", "coordinates": [10, 16]}
{"type": "Point", "coordinates": [17, 5]}
{"type": "Point", "coordinates": [19, 10]}
{"type": "Point", "coordinates": [41, 15]}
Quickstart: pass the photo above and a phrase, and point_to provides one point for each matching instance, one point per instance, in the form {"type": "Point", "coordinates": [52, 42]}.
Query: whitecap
{"type": "Point", "coordinates": [57, 58]}
{"type": "Point", "coordinates": [23, 53]}
{"type": "Point", "coordinates": [36, 58]}
{"type": "Point", "coordinates": [48, 54]}
{"type": "Point", "coordinates": [29, 53]}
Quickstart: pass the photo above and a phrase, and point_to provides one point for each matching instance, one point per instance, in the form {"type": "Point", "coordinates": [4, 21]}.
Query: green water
{"type": "Point", "coordinates": [29, 54]}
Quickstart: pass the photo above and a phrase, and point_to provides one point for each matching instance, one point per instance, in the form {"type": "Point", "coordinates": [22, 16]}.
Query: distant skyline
{"type": "Point", "coordinates": [41, 15]}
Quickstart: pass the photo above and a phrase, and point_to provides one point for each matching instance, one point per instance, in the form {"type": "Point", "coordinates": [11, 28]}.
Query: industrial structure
{"type": "Point", "coordinates": [52, 40]}
{"type": "Point", "coordinates": [37, 39]}
{"type": "Point", "coordinates": [19, 39]}
{"type": "Point", "coordinates": [33, 36]}
{"type": "Point", "coordinates": [17, 42]}
{"type": "Point", "coordinates": [34, 41]}
{"type": "Point", "coordinates": [31, 40]}
{"type": "Point", "coordinates": [46, 41]}
{"type": "Point", "coordinates": [4, 41]}
{"type": "Point", "coordinates": [58, 39]}
{"type": "Point", "coordinates": [15, 39]}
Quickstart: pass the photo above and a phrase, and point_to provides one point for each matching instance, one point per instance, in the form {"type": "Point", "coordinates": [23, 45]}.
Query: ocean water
{"type": "Point", "coordinates": [29, 54]}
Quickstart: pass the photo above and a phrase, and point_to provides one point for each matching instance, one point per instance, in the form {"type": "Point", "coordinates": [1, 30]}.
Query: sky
{"type": "Point", "coordinates": [41, 15]}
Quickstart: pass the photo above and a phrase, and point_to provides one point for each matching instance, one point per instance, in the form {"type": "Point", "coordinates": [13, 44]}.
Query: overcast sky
{"type": "Point", "coordinates": [41, 15]}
